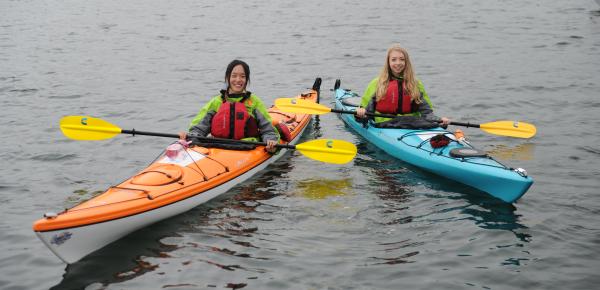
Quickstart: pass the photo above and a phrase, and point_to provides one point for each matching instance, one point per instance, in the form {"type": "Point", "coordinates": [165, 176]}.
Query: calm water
{"type": "Point", "coordinates": [373, 224]}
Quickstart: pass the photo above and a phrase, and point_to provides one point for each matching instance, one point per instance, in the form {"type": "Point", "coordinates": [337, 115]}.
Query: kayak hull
{"type": "Point", "coordinates": [168, 187]}
{"type": "Point", "coordinates": [413, 147]}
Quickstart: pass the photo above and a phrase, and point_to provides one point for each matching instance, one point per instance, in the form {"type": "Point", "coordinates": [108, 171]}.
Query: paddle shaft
{"type": "Point", "coordinates": [366, 113]}
{"type": "Point", "coordinates": [394, 116]}
{"type": "Point", "coordinates": [134, 132]}
{"type": "Point", "coordinates": [465, 124]}
{"type": "Point", "coordinates": [207, 139]}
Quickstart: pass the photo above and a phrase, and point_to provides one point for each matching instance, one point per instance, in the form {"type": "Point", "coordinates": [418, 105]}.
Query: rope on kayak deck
{"type": "Point", "coordinates": [162, 153]}
{"type": "Point", "coordinates": [209, 158]}
{"type": "Point", "coordinates": [147, 195]}
{"type": "Point", "coordinates": [440, 153]}
{"type": "Point", "coordinates": [74, 209]}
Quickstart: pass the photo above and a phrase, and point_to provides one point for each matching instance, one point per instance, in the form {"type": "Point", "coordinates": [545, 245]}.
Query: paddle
{"type": "Point", "coordinates": [502, 128]}
{"type": "Point", "coordinates": [89, 128]}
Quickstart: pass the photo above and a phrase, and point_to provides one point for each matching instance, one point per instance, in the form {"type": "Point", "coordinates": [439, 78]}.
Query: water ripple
{"type": "Point", "coordinates": [590, 149]}
{"type": "Point", "coordinates": [53, 157]}
{"type": "Point", "coordinates": [66, 97]}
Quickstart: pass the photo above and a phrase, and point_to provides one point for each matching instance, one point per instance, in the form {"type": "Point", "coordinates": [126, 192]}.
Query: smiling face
{"type": "Point", "coordinates": [237, 80]}
{"type": "Point", "coordinates": [397, 62]}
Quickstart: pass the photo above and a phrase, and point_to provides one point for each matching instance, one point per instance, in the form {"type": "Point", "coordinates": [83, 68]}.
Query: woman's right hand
{"type": "Point", "coordinates": [271, 146]}
{"type": "Point", "coordinates": [361, 112]}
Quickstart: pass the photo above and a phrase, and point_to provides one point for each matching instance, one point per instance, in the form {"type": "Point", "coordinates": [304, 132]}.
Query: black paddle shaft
{"type": "Point", "coordinates": [367, 113]}
{"type": "Point", "coordinates": [134, 132]}
{"type": "Point", "coordinates": [394, 116]}
{"type": "Point", "coordinates": [206, 139]}
{"type": "Point", "coordinates": [465, 124]}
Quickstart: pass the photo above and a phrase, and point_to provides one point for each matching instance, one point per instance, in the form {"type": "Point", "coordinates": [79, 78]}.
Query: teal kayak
{"type": "Point", "coordinates": [458, 160]}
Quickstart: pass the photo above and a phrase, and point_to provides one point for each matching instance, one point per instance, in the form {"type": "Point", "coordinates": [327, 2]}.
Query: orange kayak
{"type": "Point", "coordinates": [165, 188]}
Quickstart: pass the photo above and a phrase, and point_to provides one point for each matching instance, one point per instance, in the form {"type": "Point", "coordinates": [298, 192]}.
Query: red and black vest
{"type": "Point", "coordinates": [396, 100]}
{"type": "Point", "coordinates": [232, 120]}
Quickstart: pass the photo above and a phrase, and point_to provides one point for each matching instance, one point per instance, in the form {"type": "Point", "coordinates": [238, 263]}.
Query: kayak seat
{"type": "Point", "coordinates": [466, 152]}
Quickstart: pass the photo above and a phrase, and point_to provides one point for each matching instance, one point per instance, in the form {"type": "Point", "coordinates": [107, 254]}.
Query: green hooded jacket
{"type": "Point", "coordinates": [201, 124]}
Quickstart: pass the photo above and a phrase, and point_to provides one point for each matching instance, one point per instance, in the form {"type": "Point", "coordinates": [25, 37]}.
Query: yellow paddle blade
{"type": "Point", "coordinates": [301, 106]}
{"type": "Point", "coordinates": [87, 128]}
{"type": "Point", "coordinates": [328, 150]}
{"type": "Point", "coordinates": [510, 128]}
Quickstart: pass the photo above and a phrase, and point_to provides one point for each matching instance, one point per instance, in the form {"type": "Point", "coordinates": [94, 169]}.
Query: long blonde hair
{"type": "Point", "coordinates": [411, 84]}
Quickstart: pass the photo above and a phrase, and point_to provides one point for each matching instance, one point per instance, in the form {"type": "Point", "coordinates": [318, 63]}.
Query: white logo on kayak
{"type": "Point", "coordinates": [61, 238]}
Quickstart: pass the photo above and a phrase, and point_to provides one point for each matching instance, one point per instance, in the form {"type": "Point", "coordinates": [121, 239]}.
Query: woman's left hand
{"type": "Point", "coordinates": [183, 136]}
{"type": "Point", "coordinates": [271, 146]}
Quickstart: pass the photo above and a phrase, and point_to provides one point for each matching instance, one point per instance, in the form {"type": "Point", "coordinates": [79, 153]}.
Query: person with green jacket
{"type": "Point", "coordinates": [235, 113]}
{"type": "Point", "coordinates": [397, 91]}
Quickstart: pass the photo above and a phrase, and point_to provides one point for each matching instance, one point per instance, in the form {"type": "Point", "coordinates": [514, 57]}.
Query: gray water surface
{"type": "Point", "coordinates": [375, 223]}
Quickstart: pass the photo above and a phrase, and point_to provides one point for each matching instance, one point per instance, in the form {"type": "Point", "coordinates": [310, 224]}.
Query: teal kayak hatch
{"type": "Point", "coordinates": [412, 146]}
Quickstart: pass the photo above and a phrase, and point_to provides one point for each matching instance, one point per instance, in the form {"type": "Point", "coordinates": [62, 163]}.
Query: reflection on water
{"type": "Point", "coordinates": [396, 181]}
{"type": "Point", "coordinates": [403, 259]}
{"type": "Point", "coordinates": [119, 261]}
{"type": "Point", "coordinates": [390, 186]}
{"type": "Point", "coordinates": [401, 210]}
{"type": "Point", "coordinates": [316, 128]}
{"type": "Point", "coordinates": [322, 188]}
{"type": "Point", "coordinates": [521, 152]}
{"type": "Point", "coordinates": [493, 214]}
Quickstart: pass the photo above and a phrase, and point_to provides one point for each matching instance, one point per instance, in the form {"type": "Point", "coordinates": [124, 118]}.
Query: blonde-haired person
{"type": "Point", "coordinates": [397, 91]}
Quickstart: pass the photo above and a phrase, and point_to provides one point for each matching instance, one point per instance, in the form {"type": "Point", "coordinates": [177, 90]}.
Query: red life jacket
{"type": "Point", "coordinates": [232, 121]}
{"type": "Point", "coordinates": [392, 103]}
